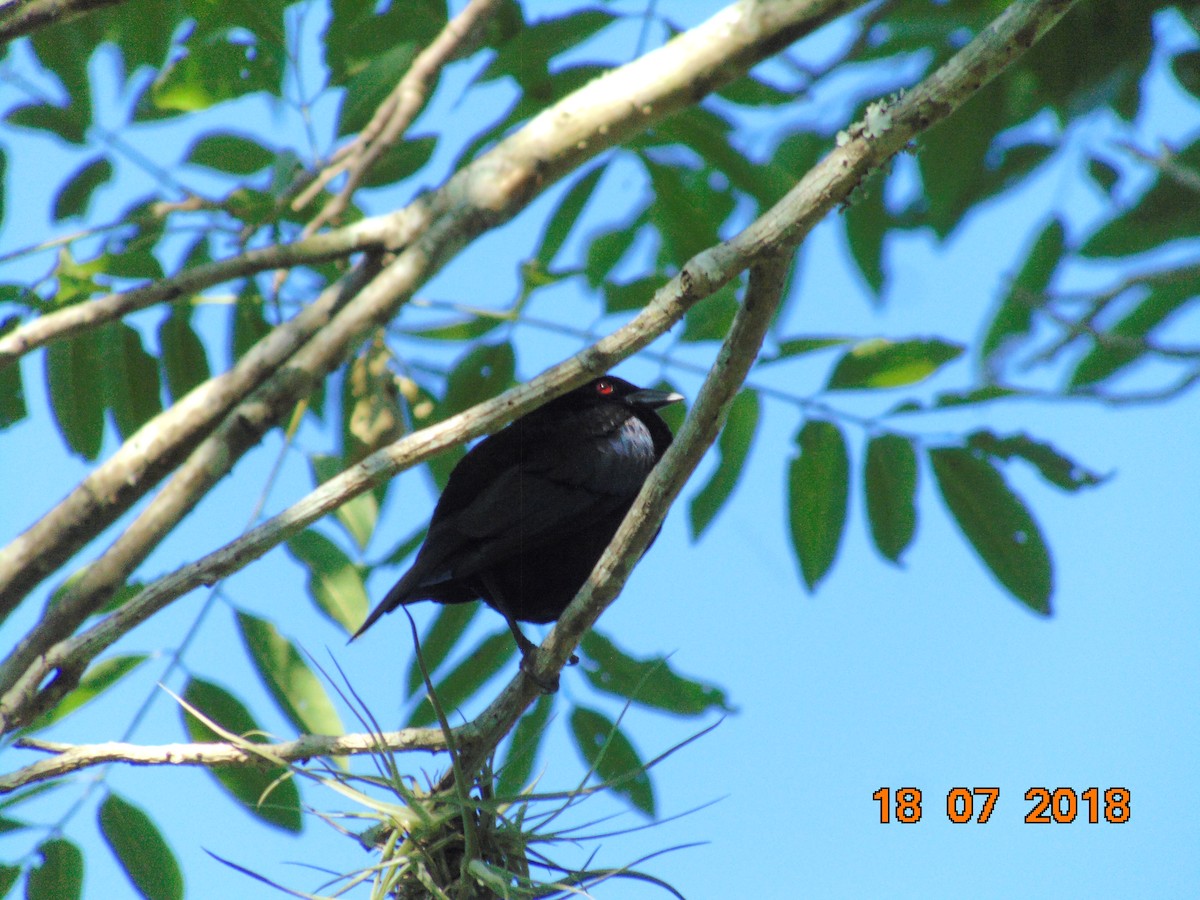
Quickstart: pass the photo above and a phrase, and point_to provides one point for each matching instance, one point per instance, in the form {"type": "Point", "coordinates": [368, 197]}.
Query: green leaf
{"type": "Point", "coordinates": [359, 33]}
{"type": "Point", "coordinates": [606, 749]}
{"type": "Point", "coordinates": [953, 156]}
{"type": "Point", "coordinates": [890, 479]}
{"type": "Point", "coordinates": [795, 154]}
{"type": "Point", "coordinates": [406, 547]}
{"type": "Point", "coordinates": [481, 374]}
{"type": "Point", "coordinates": [75, 379]}
{"type": "Point", "coordinates": [8, 878]}
{"type": "Point", "coordinates": [673, 414]}
{"type": "Point", "coordinates": [400, 161]}
{"type": "Point", "coordinates": [358, 515]}
{"type": "Point", "coordinates": [334, 581]}
{"type": "Point", "coordinates": [712, 317]}
{"type": "Point", "coordinates": [566, 215]}
{"type": "Point", "coordinates": [99, 677]}
{"type": "Point", "coordinates": [1014, 318]}
{"type": "Point", "coordinates": [632, 295]}
{"type": "Point", "coordinates": [1166, 212]}
{"type": "Point", "coordinates": [7, 826]}
{"type": "Point", "coordinates": [461, 332]}
{"type": "Point", "coordinates": [687, 211]}
{"type": "Point", "coordinates": [372, 416]}
{"type": "Point", "coordinates": [1104, 174]}
{"type": "Point", "coordinates": [68, 122]}
{"type": "Point", "coordinates": [527, 55]}
{"type": "Point", "coordinates": [607, 249]}
{"type": "Point", "coordinates": [975, 396]}
{"type": "Point", "coordinates": [1186, 68]}
{"type": "Point", "coordinates": [467, 677]}
{"type": "Point", "coordinates": [132, 382]}
{"type": "Point", "coordinates": [141, 849]}
{"type": "Point", "coordinates": [249, 323]}
{"type": "Point", "coordinates": [215, 69]}
{"type": "Point", "coordinates": [371, 86]}
{"type": "Point", "coordinates": [183, 357]}
{"type": "Point", "coordinates": [291, 682]}
{"type": "Point", "coordinates": [237, 154]}
{"type": "Point", "coordinates": [523, 748]}
{"type": "Point", "coordinates": [818, 488]}
{"type": "Point", "coordinates": [959, 168]}
{"type": "Point", "coordinates": [136, 261]}
{"type": "Point", "coordinates": [867, 224]}
{"type": "Point", "coordinates": [72, 198]}
{"type": "Point", "coordinates": [262, 792]}
{"type": "Point", "coordinates": [733, 447]}
{"type": "Point", "coordinates": [751, 91]}
{"type": "Point", "coordinates": [1053, 466]}
{"type": "Point", "coordinates": [708, 134]}
{"type": "Point", "coordinates": [1125, 342]}
{"type": "Point", "coordinates": [59, 876]}
{"type": "Point", "coordinates": [802, 347]}
{"type": "Point", "coordinates": [442, 637]}
{"type": "Point", "coordinates": [12, 391]}
{"type": "Point", "coordinates": [880, 363]}
{"type": "Point", "coordinates": [997, 524]}
{"type": "Point", "coordinates": [1119, 40]}
{"type": "Point", "coordinates": [649, 682]}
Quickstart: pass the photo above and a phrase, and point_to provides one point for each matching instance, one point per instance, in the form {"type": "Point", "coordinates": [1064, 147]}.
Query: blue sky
{"type": "Point", "coordinates": [928, 676]}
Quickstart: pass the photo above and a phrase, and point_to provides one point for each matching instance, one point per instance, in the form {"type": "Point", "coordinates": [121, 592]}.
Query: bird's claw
{"type": "Point", "coordinates": [546, 686]}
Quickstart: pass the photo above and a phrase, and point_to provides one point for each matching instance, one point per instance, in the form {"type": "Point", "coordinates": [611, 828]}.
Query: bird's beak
{"type": "Point", "coordinates": [652, 399]}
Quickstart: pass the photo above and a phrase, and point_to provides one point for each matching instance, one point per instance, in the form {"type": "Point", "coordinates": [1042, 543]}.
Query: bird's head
{"type": "Point", "coordinates": [611, 389]}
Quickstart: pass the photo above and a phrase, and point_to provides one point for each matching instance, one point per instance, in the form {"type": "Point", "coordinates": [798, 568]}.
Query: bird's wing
{"type": "Point", "coordinates": [514, 492]}
{"type": "Point", "coordinates": [520, 510]}
{"type": "Point", "coordinates": [543, 489]}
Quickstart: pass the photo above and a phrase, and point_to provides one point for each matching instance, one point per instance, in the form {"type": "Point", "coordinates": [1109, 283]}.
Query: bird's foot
{"type": "Point", "coordinates": [547, 686]}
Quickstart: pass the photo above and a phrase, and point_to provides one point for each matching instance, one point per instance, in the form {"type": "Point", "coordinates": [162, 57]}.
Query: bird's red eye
{"type": "Point", "coordinates": [604, 387]}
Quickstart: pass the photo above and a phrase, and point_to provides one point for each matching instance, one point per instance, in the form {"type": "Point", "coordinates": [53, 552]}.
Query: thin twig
{"type": "Point", "coordinates": [1166, 163]}
{"type": "Point", "coordinates": [394, 115]}
{"type": "Point", "coordinates": [74, 757]}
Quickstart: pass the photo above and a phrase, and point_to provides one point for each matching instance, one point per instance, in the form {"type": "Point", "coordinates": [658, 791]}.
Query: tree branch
{"type": "Point", "coordinates": [74, 757]}
{"type": "Point", "coordinates": [80, 317]}
{"type": "Point", "coordinates": [484, 194]}
{"type": "Point", "coordinates": [149, 454]}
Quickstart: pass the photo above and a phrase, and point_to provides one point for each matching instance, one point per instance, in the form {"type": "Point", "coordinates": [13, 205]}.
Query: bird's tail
{"type": "Point", "coordinates": [400, 594]}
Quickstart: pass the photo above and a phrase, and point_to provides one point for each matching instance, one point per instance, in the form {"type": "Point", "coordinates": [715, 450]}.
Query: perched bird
{"type": "Point", "coordinates": [528, 511]}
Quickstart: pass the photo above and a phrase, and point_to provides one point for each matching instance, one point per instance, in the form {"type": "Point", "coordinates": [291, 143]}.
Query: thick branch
{"type": "Point", "coordinates": [149, 454]}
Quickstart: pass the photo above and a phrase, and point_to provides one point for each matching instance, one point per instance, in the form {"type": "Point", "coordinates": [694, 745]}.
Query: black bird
{"type": "Point", "coordinates": [528, 511]}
